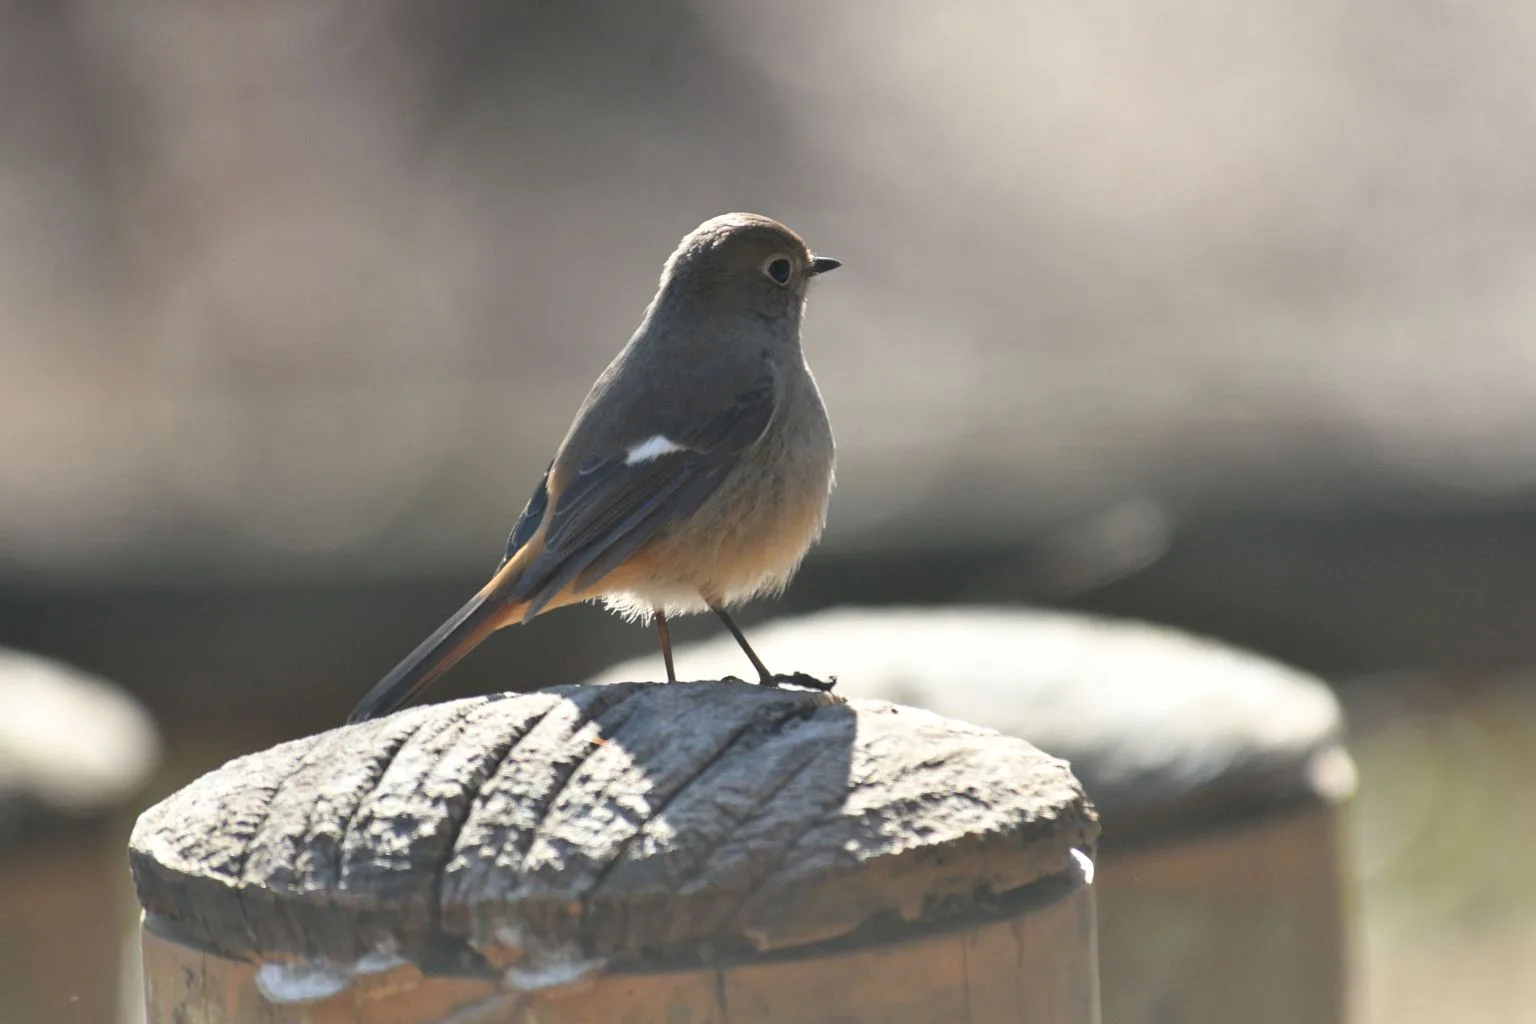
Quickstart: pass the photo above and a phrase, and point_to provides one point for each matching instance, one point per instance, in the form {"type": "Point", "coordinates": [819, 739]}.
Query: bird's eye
{"type": "Point", "coordinates": [778, 269]}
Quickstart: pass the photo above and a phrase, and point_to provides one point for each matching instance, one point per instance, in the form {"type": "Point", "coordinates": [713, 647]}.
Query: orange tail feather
{"type": "Point", "coordinates": [484, 613]}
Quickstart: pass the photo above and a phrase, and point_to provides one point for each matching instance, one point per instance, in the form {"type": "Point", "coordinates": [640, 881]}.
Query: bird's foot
{"type": "Point", "coordinates": [801, 679]}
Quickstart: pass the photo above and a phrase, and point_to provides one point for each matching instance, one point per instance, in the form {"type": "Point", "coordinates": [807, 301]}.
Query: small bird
{"type": "Point", "coordinates": [696, 474]}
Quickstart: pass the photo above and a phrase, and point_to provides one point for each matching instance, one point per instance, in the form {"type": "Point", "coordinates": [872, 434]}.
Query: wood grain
{"type": "Point", "coordinates": [617, 825]}
{"type": "Point", "coordinates": [1034, 967]}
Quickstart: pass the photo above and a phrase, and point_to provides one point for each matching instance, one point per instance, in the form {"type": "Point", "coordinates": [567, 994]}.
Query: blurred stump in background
{"type": "Point", "coordinates": [1220, 776]}
{"type": "Point", "coordinates": [630, 852]}
{"type": "Point", "coordinates": [74, 752]}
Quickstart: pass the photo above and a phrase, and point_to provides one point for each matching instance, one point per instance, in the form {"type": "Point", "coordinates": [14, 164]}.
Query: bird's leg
{"type": "Point", "coordinates": [666, 644]}
{"type": "Point", "coordinates": [763, 675]}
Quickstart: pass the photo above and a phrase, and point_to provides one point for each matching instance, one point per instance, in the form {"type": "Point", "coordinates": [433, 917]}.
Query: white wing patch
{"type": "Point", "coordinates": [650, 449]}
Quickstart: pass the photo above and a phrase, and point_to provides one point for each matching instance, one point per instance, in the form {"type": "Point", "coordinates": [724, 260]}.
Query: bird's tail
{"type": "Point", "coordinates": [485, 613]}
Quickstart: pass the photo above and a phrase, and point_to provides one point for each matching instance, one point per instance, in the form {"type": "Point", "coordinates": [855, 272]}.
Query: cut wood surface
{"type": "Point", "coordinates": [1166, 730]}
{"type": "Point", "coordinates": [626, 823]}
{"type": "Point", "coordinates": [1220, 774]}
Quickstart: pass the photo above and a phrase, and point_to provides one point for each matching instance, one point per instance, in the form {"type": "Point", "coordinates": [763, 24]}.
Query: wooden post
{"type": "Point", "coordinates": [74, 753]}
{"type": "Point", "coordinates": [1220, 776]}
{"type": "Point", "coordinates": [690, 852]}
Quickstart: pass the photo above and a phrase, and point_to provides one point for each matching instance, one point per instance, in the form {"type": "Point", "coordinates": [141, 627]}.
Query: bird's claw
{"type": "Point", "coordinates": [801, 679]}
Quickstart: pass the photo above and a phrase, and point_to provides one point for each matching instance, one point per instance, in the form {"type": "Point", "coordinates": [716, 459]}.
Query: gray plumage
{"type": "Point", "coordinates": [696, 473]}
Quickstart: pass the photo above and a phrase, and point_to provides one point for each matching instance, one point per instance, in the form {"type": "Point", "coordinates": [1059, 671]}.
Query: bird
{"type": "Point", "coordinates": [696, 474]}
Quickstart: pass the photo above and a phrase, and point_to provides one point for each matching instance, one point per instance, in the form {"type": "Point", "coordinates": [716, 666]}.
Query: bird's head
{"type": "Point", "coordinates": [742, 262]}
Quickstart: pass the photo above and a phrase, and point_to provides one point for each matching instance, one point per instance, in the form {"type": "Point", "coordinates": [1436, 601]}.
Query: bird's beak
{"type": "Point", "coordinates": [822, 264]}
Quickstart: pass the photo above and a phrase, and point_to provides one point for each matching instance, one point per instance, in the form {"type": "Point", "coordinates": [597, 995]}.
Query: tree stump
{"type": "Point", "coordinates": [74, 751]}
{"type": "Point", "coordinates": [636, 852]}
{"type": "Point", "coordinates": [1220, 776]}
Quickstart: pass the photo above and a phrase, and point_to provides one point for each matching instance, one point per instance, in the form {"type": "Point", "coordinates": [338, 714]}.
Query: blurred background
{"type": "Point", "coordinates": [1221, 315]}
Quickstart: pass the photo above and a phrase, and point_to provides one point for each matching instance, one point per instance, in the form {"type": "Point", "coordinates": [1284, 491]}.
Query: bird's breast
{"type": "Point", "coordinates": [749, 537]}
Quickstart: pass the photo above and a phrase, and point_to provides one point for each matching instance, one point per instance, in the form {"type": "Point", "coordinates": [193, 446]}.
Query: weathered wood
{"type": "Point", "coordinates": [74, 751]}
{"type": "Point", "coordinates": [1036, 966]}
{"type": "Point", "coordinates": [1219, 774]}
{"type": "Point", "coordinates": [1251, 914]}
{"type": "Point", "coordinates": [716, 847]}
{"type": "Point", "coordinates": [63, 921]}
{"type": "Point", "coordinates": [1166, 731]}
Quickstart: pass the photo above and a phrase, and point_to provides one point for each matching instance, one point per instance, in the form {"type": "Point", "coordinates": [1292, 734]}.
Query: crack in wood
{"type": "Point", "coordinates": [620, 712]}
{"type": "Point", "coordinates": [762, 800]}
{"type": "Point", "coordinates": [764, 726]}
{"type": "Point", "coordinates": [391, 751]}
{"type": "Point", "coordinates": [723, 1003]}
{"type": "Point", "coordinates": [754, 888]}
{"type": "Point", "coordinates": [309, 757]}
{"type": "Point", "coordinates": [456, 823]}
{"type": "Point", "coordinates": [631, 822]}
{"type": "Point", "coordinates": [505, 814]}
{"type": "Point", "coordinates": [247, 841]}
{"type": "Point", "coordinates": [965, 977]}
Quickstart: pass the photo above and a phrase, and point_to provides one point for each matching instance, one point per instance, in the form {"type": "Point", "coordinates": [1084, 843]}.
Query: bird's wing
{"type": "Point", "coordinates": [617, 500]}
{"type": "Point", "coordinates": [533, 514]}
